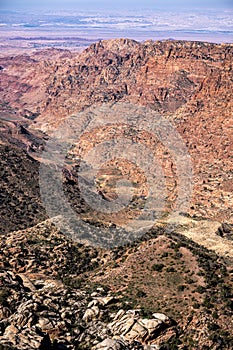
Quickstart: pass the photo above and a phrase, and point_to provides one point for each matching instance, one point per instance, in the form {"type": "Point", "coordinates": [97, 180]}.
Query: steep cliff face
{"type": "Point", "coordinates": [163, 75]}
{"type": "Point", "coordinates": [190, 82]}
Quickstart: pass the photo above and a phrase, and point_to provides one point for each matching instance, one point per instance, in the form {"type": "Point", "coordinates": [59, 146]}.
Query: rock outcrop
{"type": "Point", "coordinates": [44, 314]}
{"type": "Point", "coordinates": [58, 294]}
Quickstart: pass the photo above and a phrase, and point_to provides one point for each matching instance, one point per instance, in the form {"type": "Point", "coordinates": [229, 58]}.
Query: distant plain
{"type": "Point", "coordinates": [27, 31]}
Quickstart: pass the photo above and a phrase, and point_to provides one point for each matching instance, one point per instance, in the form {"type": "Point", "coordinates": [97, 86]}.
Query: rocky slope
{"type": "Point", "coordinates": [21, 206]}
{"type": "Point", "coordinates": [57, 294]}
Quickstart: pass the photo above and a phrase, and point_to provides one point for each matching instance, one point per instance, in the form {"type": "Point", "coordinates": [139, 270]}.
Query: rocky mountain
{"type": "Point", "coordinates": [190, 82]}
{"type": "Point", "coordinates": [167, 289]}
{"type": "Point", "coordinates": [162, 292]}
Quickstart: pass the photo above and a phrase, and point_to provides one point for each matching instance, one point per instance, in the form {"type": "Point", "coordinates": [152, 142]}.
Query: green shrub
{"type": "Point", "coordinates": [196, 305]}
{"type": "Point", "coordinates": [4, 293]}
{"type": "Point", "coordinates": [170, 269]}
{"type": "Point", "coordinates": [181, 288]}
{"type": "Point", "coordinates": [141, 294]}
{"type": "Point", "coordinates": [200, 289]}
{"type": "Point", "coordinates": [157, 267]}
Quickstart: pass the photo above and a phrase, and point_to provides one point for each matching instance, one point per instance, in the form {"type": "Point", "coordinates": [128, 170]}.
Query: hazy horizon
{"type": "Point", "coordinates": [76, 24]}
{"type": "Point", "coordinates": [112, 4]}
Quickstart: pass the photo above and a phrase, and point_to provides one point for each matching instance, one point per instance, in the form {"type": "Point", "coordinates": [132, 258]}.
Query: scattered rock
{"type": "Point", "coordinates": [91, 314]}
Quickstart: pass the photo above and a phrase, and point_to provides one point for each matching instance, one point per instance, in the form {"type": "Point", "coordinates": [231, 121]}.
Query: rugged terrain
{"type": "Point", "coordinates": [162, 292]}
{"type": "Point", "coordinates": [191, 82]}
{"type": "Point", "coordinates": [170, 289]}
